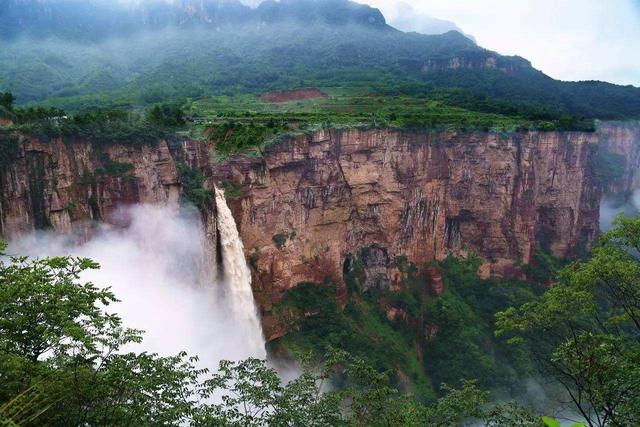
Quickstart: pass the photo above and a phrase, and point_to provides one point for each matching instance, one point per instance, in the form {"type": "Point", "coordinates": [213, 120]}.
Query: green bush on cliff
{"type": "Point", "coordinates": [232, 190]}
{"type": "Point", "coordinates": [280, 240]}
{"type": "Point", "coordinates": [430, 341]}
{"type": "Point", "coordinates": [165, 115]}
{"type": "Point", "coordinates": [6, 100]}
{"type": "Point", "coordinates": [193, 190]}
{"type": "Point", "coordinates": [464, 346]}
{"type": "Point", "coordinates": [114, 168]}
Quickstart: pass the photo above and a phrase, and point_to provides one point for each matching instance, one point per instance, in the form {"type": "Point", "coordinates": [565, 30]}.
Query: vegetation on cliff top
{"type": "Point", "coordinates": [98, 125]}
{"type": "Point", "coordinates": [156, 53]}
{"type": "Point", "coordinates": [248, 123]}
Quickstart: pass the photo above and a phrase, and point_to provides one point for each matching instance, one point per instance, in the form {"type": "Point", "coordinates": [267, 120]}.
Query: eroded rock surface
{"type": "Point", "coordinates": [314, 206]}
{"type": "Point", "coordinates": [64, 186]}
{"type": "Point", "coordinates": [419, 195]}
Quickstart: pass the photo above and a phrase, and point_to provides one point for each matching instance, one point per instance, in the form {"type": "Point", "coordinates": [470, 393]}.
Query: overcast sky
{"type": "Point", "coordinates": [567, 39]}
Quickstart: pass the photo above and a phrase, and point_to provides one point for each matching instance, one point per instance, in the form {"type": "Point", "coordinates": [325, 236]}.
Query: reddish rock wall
{"type": "Point", "coordinates": [63, 186]}
{"type": "Point", "coordinates": [423, 196]}
{"type": "Point", "coordinates": [312, 201]}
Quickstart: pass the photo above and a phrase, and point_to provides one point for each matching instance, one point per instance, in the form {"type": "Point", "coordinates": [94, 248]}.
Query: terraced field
{"type": "Point", "coordinates": [245, 122]}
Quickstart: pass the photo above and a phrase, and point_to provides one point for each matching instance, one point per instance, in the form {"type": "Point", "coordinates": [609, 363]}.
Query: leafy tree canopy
{"type": "Point", "coordinates": [587, 329]}
{"type": "Point", "coordinates": [64, 361]}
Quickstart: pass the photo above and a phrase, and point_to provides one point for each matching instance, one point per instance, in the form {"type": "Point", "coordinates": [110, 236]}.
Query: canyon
{"type": "Point", "coordinates": [311, 204]}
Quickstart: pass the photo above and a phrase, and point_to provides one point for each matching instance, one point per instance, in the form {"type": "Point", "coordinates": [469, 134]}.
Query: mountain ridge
{"type": "Point", "coordinates": [96, 20]}
{"type": "Point", "coordinates": [154, 52]}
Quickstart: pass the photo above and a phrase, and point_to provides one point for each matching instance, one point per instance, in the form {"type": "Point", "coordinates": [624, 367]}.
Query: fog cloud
{"type": "Point", "coordinates": [161, 269]}
{"type": "Point", "coordinates": [610, 209]}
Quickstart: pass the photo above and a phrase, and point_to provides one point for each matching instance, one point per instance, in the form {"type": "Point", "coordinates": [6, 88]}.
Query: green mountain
{"type": "Point", "coordinates": [76, 54]}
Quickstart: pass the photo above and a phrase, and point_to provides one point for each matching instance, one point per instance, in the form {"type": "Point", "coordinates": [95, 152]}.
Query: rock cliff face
{"type": "Point", "coordinates": [64, 185]}
{"type": "Point", "coordinates": [623, 139]}
{"type": "Point", "coordinates": [481, 62]}
{"type": "Point", "coordinates": [313, 204]}
{"type": "Point", "coordinates": [312, 201]}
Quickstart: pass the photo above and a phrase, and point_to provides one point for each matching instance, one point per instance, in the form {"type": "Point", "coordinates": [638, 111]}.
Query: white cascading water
{"type": "Point", "coordinates": [237, 277]}
{"type": "Point", "coordinates": [162, 268]}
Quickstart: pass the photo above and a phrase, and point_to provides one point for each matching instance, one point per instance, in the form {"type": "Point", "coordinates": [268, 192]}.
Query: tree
{"type": "Point", "coordinates": [57, 342]}
{"type": "Point", "coordinates": [63, 362]}
{"type": "Point", "coordinates": [587, 329]}
{"type": "Point", "coordinates": [6, 100]}
{"type": "Point", "coordinates": [166, 115]}
{"type": "Point", "coordinates": [253, 396]}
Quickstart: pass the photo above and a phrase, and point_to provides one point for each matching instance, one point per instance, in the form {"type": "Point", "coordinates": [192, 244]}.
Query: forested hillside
{"type": "Point", "coordinates": [79, 54]}
{"type": "Point", "coordinates": [375, 227]}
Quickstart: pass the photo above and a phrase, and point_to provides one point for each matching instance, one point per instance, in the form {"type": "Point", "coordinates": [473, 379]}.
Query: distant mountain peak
{"type": "Point", "coordinates": [334, 12]}
{"type": "Point", "coordinates": [95, 19]}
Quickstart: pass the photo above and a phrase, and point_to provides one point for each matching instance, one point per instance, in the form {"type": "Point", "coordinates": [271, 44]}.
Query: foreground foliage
{"type": "Point", "coordinates": [587, 328]}
{"type": "Point", "coordinates": [63, 357]}
{"type": "Point", "coordinates": [64, 361]}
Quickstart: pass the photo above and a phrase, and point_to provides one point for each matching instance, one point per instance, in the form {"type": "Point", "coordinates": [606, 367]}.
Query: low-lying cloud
{"type": "Point", "coordinates": [610, 209]}
{"type": "Point", "coordinates": [161, 268]}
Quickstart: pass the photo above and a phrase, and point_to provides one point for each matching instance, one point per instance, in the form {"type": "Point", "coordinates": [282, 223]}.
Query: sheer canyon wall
{"type": "Point", "coordinates": [311, 203]}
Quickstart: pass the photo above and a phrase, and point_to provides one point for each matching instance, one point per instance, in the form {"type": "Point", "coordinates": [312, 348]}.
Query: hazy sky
{"type": "Point", "coordinates": [567, 39]}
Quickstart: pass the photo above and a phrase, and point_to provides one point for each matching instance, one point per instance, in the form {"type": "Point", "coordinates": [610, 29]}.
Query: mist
{"type": "Point", "coordinates": [163, 270]}
{"type": "Point", "coordinates": [152, 66]}
{"type": "Point", "coordinates": [610, 208]}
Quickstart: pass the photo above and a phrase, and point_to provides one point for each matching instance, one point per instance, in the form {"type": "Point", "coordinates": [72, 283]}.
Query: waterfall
{"type": "Point", "coordinates": [236, 278]}
{"type": "Point", "coordinates": [161, 265]}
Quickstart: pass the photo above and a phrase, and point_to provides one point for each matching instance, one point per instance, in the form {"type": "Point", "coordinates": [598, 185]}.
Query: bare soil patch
{"type": "Point", "coordinates": [292, 95]}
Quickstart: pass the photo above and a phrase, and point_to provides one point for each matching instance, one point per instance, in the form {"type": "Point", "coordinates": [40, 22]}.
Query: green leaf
{"type": "Point", "coordinates": [550, 422]}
